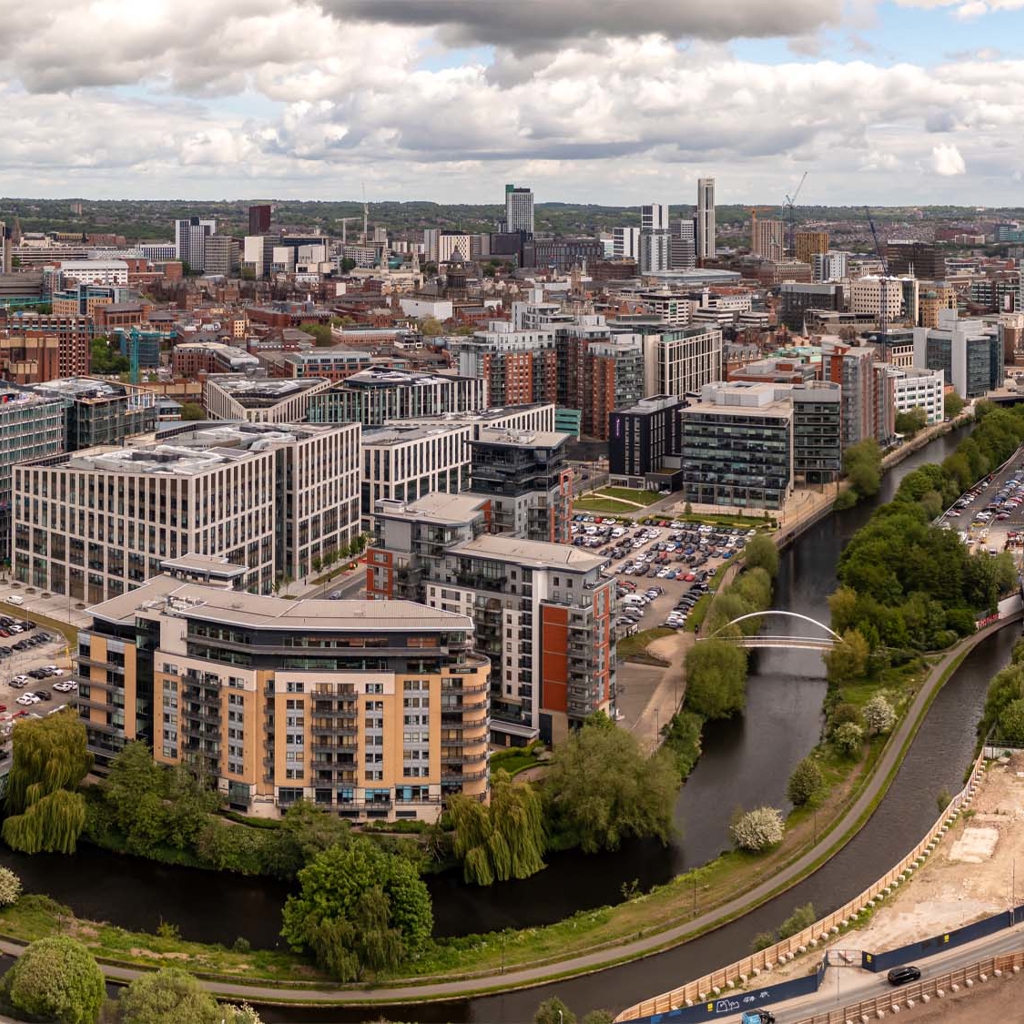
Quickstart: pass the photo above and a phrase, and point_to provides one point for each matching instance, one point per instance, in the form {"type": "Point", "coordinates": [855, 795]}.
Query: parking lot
{"type": "Point", "coordinates": [990, 516]}
{"type": "Point", "coordinates": [34, 671]}
{"type": "Point", "coordinates": [661, 570]}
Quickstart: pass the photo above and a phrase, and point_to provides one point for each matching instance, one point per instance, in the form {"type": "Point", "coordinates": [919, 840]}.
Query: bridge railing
{"type": "Point", "coordinates": [734, 976]}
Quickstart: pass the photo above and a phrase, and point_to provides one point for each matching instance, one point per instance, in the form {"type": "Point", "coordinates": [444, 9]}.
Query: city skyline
{"type": "Point", "coordinates": [889, 102]}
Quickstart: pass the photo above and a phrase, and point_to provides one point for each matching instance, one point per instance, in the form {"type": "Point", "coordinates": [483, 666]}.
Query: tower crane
{"type": "Point", "coordinates": [790, 203]}
{"type": "Point", "coordinates": [883, 320]}
{"type": "Point", "coordinates": [344, 227]}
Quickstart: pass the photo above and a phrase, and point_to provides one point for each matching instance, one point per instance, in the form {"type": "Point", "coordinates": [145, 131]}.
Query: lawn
{"type": "Point", "coordinates": [631, 646]}
{"type": "Point", "coordinates": [609, 505]}
{"type": "Point", "coordinates": [630, 494]}
{"type": "Point", "coordinates": [515, 759]}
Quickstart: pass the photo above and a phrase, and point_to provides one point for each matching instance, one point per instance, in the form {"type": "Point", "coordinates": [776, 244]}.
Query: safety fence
{"type": "Point", "coordinates": [736, 976]}
{"type": "Point", "coordinates": [917, 992]}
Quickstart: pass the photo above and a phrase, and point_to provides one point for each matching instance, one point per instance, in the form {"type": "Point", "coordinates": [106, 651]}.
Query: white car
{"type": "Point", "coordinates": [27, 699]}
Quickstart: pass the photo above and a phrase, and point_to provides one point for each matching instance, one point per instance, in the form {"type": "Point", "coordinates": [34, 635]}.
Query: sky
{"type": "Point", "coordinates": [887, 102]}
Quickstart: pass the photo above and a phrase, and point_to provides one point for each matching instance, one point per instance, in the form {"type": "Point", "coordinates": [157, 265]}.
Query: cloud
{"type": "Point", "coordinates": [947, 161]}
{"type": "Point", "coordinates": [531, 25]}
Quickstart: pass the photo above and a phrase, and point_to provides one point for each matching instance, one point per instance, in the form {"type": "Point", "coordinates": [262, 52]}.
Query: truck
{"type": "Point", "coordinates": [758, 1017]}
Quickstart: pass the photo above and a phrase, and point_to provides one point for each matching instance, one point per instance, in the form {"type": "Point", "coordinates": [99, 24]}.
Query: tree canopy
{"type": "Point", "coordinates": [359, 909]}
{"type": "Point", "coordinates": [912, 422]}
{"type": "Point", "coordinates": [501, 841]}
{"type": "Point", "coordinates": [761, 553]}
{"type": "Point", "coordinates": [56, 979]}
{"type": "Point", "coordinates": [862, 464]}
{"type": "Point", "coordinates": [716, 679]}
{"type": "Point", "coordinates": [169, 996]}
{"type": "Point", "coordinates": [600, 789]}
{"type": "Point", "coordinates": [45, 811]}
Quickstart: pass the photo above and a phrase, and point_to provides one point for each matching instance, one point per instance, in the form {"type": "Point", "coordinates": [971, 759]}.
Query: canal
{"type": "Point", "coordinates": [746, 762]}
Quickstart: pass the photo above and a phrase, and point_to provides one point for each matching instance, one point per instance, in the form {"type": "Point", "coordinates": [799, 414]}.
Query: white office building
{"type": "Point", "coordinates": [914, 388]}
{"type": "Point", "coordinates": [240, 396]}
{"type": "Point", "coordinates": [705, 219]}
{"type": "Point", "coordinates": [101, 520]}
{"type": "Point", "coordinates": [94, 271]}
{"type": "Point", "coordinates": [626, 243]}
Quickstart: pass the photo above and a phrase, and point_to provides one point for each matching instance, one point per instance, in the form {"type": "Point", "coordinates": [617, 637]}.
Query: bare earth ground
{"type": "Point", "coordinates": [970, 875]}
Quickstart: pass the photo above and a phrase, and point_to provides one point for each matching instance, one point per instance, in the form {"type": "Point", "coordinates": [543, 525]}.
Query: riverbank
{"type": "Point", "coordinates": [586, 929]}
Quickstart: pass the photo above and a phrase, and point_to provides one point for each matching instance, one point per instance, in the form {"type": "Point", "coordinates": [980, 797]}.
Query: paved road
{"type": "Point", "coordinates": [414, 991]}
{"type": "Point", "coordinates": [845, 986]}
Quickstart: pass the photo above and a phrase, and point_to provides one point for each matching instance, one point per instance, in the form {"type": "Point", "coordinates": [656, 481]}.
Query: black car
{"type": "Point", "coordinates": [46, 695]}
{"type": "Point", "coordinates": [903, 975]}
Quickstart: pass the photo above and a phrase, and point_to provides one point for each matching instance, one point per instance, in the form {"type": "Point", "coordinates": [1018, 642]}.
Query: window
{"type": "Point", "coordinates": [295, 687]}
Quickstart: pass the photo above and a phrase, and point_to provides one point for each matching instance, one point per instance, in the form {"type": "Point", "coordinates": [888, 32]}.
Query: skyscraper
{"type": "Point", "coordinates": [190, 237]}
{"type": "Point", "coordinates": [655, 243]}
{"type": "Point", "coordinates": [259, 219]}
{"type": "Point", "coordinates": [518, 209]}
{"type": "Point", "coordinates": [705, 219]}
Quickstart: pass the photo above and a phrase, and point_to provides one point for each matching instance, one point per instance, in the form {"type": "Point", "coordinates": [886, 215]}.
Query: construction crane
{"type": "Point", "coordinates": [366, 216]}
{"type": "Point", "coordinates": [883, 320]}
{"type": "Point", "coordinates": [790, 203]}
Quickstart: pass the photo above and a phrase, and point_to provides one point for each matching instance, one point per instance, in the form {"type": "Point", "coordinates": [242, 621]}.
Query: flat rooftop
{"type": "Point", "coordinates": [522, 438]}
{"type": "Point", "coordinates": [384, 376]}
{"type": "Point", "coordinates": [400, 433]}
{"type": "Point", "coordinates": [480, 416]}
{"type": "Point", "coordinates": [438, 507]}
{"type": "Point", "coordinates": [80, 388]}
{"type": "Point", "coordinates": [257, 392]}
{"type": "Point", "coordinates": [170, 596]}
{"type": "Point", "coordinates": [537, 554]}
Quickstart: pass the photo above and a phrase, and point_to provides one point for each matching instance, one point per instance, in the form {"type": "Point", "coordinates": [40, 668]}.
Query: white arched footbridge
{"type": "Point", "coordinates": [809, 643]}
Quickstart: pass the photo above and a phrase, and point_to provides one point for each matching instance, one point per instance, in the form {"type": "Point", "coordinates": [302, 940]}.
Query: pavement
{"type": "Point", "coordinates": [422, 990]}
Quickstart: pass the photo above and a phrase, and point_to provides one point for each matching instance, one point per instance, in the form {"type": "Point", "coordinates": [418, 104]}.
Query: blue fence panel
{"type": "Point", "coordinates": [715, 1009]}
{"type": "Point", "coordinates": [937, 943]}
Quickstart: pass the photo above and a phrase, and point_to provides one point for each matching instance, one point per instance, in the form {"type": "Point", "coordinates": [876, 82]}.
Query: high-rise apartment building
{"type": "Point", "coordinates": [519, 366]}
{"type": "Point", "coordinates": [767, 238]}
{"type": "Point", "coordinates": [280, 701]}
{"type": "Point", "coordinates": [518, 209]}
{"type": "Point", "coordinates": [874, 295]}
{"type": "Point", "coordinates": [259, 219]}
{"type": "Point", "coordinates": [829, 266]}
{"type": "Point", "coordinates": [190, 237]}
{"type": "Point", "coordinates": [220, 255]}
{"type": "Point", "coordinates": [528, 481]}
{"type": "Point", "coordinates": [655, 240]}
{"type": "Point", "coordinates": [99, 522]}
{"type": "Point", "coordinates": [705, 220]}
{"type": "Point", "coordinates": [868, 406]}
{"type": "Point", "coordinates": [808, 244]}
{"type": "Point", "coordinates": [683, 245]}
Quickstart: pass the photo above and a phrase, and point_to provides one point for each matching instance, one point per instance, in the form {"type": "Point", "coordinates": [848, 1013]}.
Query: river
{"type": "Point", "coordinates": [746, 762]}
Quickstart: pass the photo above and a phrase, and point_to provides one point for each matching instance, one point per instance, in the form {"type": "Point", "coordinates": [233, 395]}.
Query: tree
{"type": "Point", "coordinates": [862, 464]}
{"type": "Point", "coordinates": [103, 358]}
{"type": "Point", "coordinates": [848, 659]}
{"type": "Point", "coordinates": [430, 327]}
{"type": "Point", "coordinates": [682, 739]}
{"type": "Point", "coordinates": [347, 265]}
{"type": "Point", "coordinates": [320, 333]}
{"type": "Point", "coordinates": [758, 830]}
{"type": "Point", "coordinates": [170, 996]}
{"type": "Point", "coordinates": [879, 715]}
{"type": "Point", "coordinates": [504, 840]}
{"type": "Point", "coordinates": [598, 1017]}
{"type": "Point", "coordinates": [45, 811]}
{"type": "Point", "coordinates": [554, 1011]}
{"type": "Point", "coordinates": [801, 918]}
{"type": "Point", "coordinates": [805, 783]}
{"type": "Point", "coordinates": [762, 553]}
{"type": "Point", "coordinates": [192, 411]}
{"type": "Point", "coordinates": [849, 739]}
{"type": "Point", "coordinates": [56, 979]}
{"type": "Point", "coordinates": [953, 405]}
{"type": "Point", "coordinates": [1011, 723]}
{"type": "Point", "coordinates": [10, 887]}
{"type": "Point", "coordinates": [600, 790]}
{"type": "Point", "coordinates": [912, 422]}
{"type": "Point", "coordinates": [716, 679]}
{"type": "Point", "coordinates": [359, 909]}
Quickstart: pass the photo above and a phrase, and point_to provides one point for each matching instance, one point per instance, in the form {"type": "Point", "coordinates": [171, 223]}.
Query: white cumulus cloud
{"type": "Point", "coordinates": [947, 161]}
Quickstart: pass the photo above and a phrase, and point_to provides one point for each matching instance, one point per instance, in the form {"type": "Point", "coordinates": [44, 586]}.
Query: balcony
{"type": "Point", "coordinates": [462, 776]}
{"type": "Point", "coordinates": [335, 730]}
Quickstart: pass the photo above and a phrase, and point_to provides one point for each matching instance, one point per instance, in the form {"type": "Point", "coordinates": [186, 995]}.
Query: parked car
{"type": "Point", "coordinates": [903, 975]}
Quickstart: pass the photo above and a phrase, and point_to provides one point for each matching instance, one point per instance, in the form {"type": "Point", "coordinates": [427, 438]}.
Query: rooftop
{"type": "Point", "coordinates": [80, 388]}
{"type": "Point", "coordinates": [400, 433]}
{"type": "Point", "coordinates": [170, 596]}
{"type": "Point", "coordinates": [437, 507]}
{"type": "Point", "coordinates": [384, 376]}
{"type": "Point", "coordinates": [523, 438]}
{"type": "Point", "coordinates": [257, 392]}
{"type": "Point", "coordinates": [537, 554]}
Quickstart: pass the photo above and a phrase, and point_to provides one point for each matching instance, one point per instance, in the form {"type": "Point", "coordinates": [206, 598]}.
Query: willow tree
{"type": "Point", "coordinates": [505, 840]}
{"type": "Point", "coordinates": [45, 811]}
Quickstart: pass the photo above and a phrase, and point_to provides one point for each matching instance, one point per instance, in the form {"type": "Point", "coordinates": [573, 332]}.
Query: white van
{"type": "Point", "coordinates": [634, 601]}
{"type": "Point", "coordinates": [15, 599]}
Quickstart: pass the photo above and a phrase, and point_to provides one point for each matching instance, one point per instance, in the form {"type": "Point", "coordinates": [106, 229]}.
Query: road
{"type": "Point", "coordinates": [420, 991]}
{"type": "Point", "coordinates": [844, 986]}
